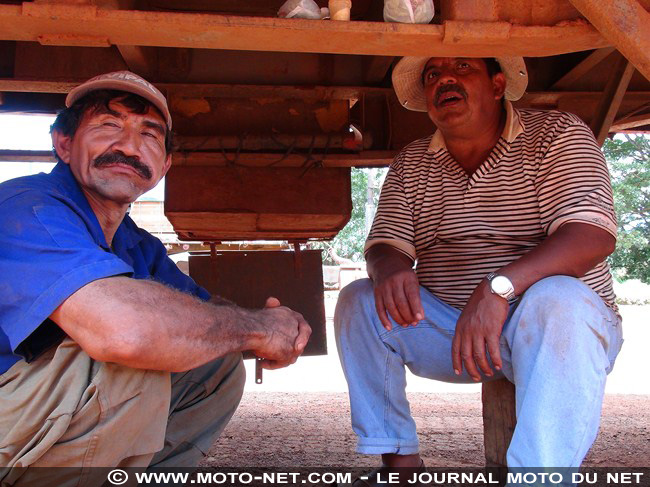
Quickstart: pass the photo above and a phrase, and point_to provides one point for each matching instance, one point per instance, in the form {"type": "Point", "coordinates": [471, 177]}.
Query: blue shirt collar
{"type": "Point", "coordinates": [127, 235]}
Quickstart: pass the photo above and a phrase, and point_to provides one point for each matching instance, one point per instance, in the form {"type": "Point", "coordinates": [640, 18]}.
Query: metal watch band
{"type": "Point", "coordinates": [510, 296]}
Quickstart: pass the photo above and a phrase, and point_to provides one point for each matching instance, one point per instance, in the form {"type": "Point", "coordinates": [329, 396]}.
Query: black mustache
{"type": "Point", "coordinates": [449, 87]}
{"type": "Point", "coordinates": [117, 157]}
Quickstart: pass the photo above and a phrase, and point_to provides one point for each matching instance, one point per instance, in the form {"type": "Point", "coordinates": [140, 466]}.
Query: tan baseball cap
{"type": "Point", "coordinates": [122, 81]}
{"type": "Point", "coordinates": [407, 80]}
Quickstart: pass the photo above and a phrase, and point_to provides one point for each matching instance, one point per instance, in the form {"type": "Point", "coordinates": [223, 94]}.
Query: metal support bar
{"type": "Point", "coordinates": [259, 370]}
{"type": "Point", "coordinates": [611, 101]}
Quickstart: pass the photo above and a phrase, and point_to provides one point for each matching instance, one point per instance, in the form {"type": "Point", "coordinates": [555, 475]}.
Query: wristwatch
{"type": "Point", "coordinates": [501, 286]}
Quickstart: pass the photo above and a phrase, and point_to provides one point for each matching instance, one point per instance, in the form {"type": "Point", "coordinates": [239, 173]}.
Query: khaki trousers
{"type": "Point", "coordinates": [67, 410]}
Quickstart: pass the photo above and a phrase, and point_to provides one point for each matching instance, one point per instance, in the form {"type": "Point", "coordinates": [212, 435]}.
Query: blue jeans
{"type": "Point", "coordinates": [558, 344]}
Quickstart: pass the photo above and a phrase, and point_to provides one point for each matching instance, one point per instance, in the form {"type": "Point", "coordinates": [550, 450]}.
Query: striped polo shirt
{"type": "Point", "coordinates": [546, 170]}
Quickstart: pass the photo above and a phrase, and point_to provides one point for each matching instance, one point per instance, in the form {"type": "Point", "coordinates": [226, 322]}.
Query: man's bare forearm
{"type": "Point", "coordinates": [573, 250]}
{"type": "Point", "coordinates": [382, 259]}
{"type": "Point", "coordinates": [144, 324]}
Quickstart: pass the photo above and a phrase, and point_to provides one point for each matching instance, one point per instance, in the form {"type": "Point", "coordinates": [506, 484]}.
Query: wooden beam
{"type": "Point", "coordinates": [582, 68]}
{"type": "Point", "coordinates": [553, 98]}
{"type": "Point", "coordinates": [139, 59]}
{"type": "Point", "coordinates": [210, 90]}
{"type": "Point", "coordinates": [291, 92]}
{"type": "Point", "coordinates": [72, 25]}
{"type": "Point", "coordinates": [361, 159]}
{"type": "Point", "coordinates": [26, 156]}
{"type": "Point", "coordinates": [625, 25]}
{"type": "Point", "coordinates": [627, 123]}
{"type": "Point", "coordinates": [612, 97]}
{"type": "Point", "coordinates": [376, 67]}
{"type": "Point", "coordinates": [499, 420]}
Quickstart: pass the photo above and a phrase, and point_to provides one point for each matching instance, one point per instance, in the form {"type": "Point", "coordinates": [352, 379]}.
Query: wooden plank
{"type": "Point", "coordinates": [376, 68]}
{"type": "Point", "coordinates": [630, 122]}
{"type": "Point", "coordinates": [209, 90]}
{"type": "Point", "coordinates": [361, 159]}
{"type": "Point", "coordinates": [296, 92]}
{"type": "Point", "coordinates": [499, 420]}
{"type": "Point", "coordinates": [612, 98]}
{"type": "Point", "coordinates": [581, 69]}
{"type": "Point", "coordinates": [625, 25]}
{"type": "Point", "coordinates": [138, 59]}
{"type": "Point", "coordinates": [26, 156]}
{"type": "Point", "coordinates": [28, 21]}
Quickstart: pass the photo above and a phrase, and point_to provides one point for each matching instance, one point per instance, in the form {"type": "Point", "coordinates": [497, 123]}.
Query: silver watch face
{"type": "Point", "coordinates": [501, 285]}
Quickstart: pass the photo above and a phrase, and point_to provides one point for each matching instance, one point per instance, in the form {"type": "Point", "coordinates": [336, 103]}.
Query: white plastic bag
{"type": "Point", "coordinates": [302, 9]}
{"type": "Point", "coordinates": [408, 11]}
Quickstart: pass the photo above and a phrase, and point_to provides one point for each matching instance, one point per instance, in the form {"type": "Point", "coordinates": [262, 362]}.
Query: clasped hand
{"type": "Point", "coordinates": [287, 335]}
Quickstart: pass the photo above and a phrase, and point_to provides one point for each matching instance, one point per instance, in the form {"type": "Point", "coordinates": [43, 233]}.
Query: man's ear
{"type": "Point", "coordinates": [62, 145]}
{"type": "Point", "coordinates": [499, 84]}
{"type": "Point", "coordinates": [168, 163]}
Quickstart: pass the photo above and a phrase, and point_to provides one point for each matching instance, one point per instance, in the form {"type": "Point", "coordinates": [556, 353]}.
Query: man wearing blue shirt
{"type": "Point", "coordinates": [109, 355]}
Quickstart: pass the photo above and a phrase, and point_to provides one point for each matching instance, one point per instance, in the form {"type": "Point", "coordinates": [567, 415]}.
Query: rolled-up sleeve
{"type": "Point", "coordinates": [393, 223]}
{"type": "Point", "coordinates": [46, 255]}
{"type": "Point", "coordinates": [573, 183]}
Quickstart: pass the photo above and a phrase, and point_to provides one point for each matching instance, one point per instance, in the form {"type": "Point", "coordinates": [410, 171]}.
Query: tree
{"type": "Point", "coordinates": [629, 159]}
{"type": "Point", "coordinates": [349, 242]}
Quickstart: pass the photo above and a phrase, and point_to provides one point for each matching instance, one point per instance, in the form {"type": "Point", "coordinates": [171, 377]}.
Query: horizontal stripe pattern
{"type": "Point", "coordinates": [460, 228]}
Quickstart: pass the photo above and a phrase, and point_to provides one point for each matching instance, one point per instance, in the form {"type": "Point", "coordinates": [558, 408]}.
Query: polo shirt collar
{"type": "Point", "coordinates": [512, 129]}
{"type": "Point", "coordinates": [125, 237]}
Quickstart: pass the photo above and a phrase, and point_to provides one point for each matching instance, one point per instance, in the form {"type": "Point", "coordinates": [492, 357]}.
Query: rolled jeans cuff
{"type": "Point", "coordinates": [378, 446]}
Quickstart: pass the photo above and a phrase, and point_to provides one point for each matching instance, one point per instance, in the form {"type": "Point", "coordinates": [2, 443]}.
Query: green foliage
{"type": "Point", "coordinates": [349, 242]}
{"type": "Point", "coordinates": [629, 159]}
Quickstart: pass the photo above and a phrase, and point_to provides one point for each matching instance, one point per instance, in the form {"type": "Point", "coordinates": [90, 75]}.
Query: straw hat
{"type": "Point", "coordinates": [122, 81]}
{"type": "Point", "coordinates": [407, 80]}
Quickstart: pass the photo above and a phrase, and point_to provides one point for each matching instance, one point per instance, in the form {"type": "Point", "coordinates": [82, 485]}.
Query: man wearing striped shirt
{"type": "Point", "coordinates": [508, 217]}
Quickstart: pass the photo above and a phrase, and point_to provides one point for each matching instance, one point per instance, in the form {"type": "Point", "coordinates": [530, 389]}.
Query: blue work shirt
{"type": "Point", "coordinates": [51, 245]}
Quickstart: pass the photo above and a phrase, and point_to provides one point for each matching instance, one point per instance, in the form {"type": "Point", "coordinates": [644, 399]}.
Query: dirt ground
{"type": "Point", "coordinates": [313, 430]}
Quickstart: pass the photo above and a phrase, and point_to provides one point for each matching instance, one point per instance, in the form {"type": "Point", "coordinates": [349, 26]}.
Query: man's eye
{"type": "Point", "coordinates": [109, 124]}
{"type": "Point", "coordinates": [149, 134]}
{"type": "Point", "coordinates": [432, 75]}
{"type": "Point", "coordinates": [463, 65]}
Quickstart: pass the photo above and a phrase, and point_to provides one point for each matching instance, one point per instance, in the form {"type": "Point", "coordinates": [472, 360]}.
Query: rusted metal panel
{"type": "Point", "coordinates": [235, 116]}
{"type": "Point", "coordinates": [243, 203]}
{"type": "Point", "coordinates": [345, 140]}
{"type": "Point", "coordinates": [360, 159]}
{"type": "Point", "coordinates": [248, 278]}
